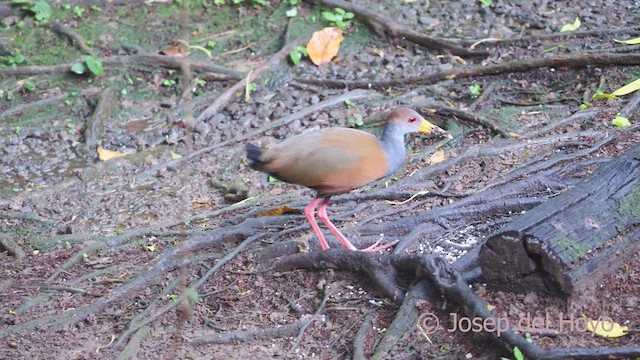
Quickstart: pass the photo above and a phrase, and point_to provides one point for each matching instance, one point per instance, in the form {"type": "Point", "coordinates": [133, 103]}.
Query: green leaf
{"type": "Point", "coordinates": [348, 15]}
{"type": "Point", "coordinates": [475, 90]}
{"type": "Point", "coordinates": [635, 41]}
{"type": "Point", "coordinates": [517, 353]}
{"type": "Point", "coordinates": [29, 84]}
{"type": "Point", "coordinates": [41, 11]}
{"type": "Point", "coordinates": [602, 95]}
{"type": "Point", "coordinates": [627, 89]}
{"type": "Point", "coordinates": [292, 12]}
{"type": "Point", "coordinates": [192, 295]}
{"type": "Point", "coordinates": [486, 2]}
{"type": "Point", "coordinates": [340, 11]}
{"type": "Point", "coordinates": [295, 56]}
{"type": "Point", "coordinates": [620, 121]}
{"type": "Point", "coordinates": [78, 68]}
{"type": "Point", "coordinates": [571, 27]}
{"type": "Point", "coordinates": [94, 65]}
{"type": "Point", "coordinates": [175, 156]}
{"type": "Point", "coordinates": [329, 16]}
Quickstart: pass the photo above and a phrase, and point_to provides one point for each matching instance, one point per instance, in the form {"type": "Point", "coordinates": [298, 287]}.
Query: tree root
{"type": "Point", "coordinates": [250, 335]}
{"type": "Point", "coordinates": [404, 321]}
{"type": "Point", "coordinates": [576, 61]}
{"type": "Point", "coordinates": [72, 35]}
{"type": "Point", "coordinates": [450, 283]}
{"type": "Point", "coordinates": [361, 335]}
{"type": "Point", "coordinates": [386, 26]}
{"type": "Point", "coordinates": [146, 62]}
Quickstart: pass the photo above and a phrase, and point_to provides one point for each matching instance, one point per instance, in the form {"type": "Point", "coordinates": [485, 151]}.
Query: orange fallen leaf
{"type": "Point", "coordinates": [104, 154]}
{"type": "Point", "coordinates": [279, 211]}
{"type": "Point", "coordinates": [174, 51]}
{"type": "Point", "coordinates": [202, 204]}
{"type": "Point", "coordinates": [324, 45]}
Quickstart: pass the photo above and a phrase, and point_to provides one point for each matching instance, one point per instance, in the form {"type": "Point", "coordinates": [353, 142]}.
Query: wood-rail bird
{"type": "Point", "coordinates": [337, 160]}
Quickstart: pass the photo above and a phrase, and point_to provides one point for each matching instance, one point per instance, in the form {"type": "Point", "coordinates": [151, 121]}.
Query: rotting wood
{"type": "Point", "coordinates": [567, 244]}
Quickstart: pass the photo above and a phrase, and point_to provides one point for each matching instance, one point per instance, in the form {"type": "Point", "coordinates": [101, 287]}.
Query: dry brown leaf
{"type": "Point", "coordinates": [202, 204]}
{"type": "Point", "coordinates": [174, 51]}
{"type": "Point", "coordinates": [279, 211]}
{"type": "Point", "coordinates": [437, 157]}
{"type": "Point", "coordinates": [104, 154]}
{"type": "Point", "coordinates": [324, 45]}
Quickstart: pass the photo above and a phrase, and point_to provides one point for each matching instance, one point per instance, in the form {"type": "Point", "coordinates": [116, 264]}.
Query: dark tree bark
{"type": "Point", "coordinates": [567, 244]}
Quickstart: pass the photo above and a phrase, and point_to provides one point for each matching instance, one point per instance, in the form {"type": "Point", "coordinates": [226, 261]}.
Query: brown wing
{"type": "Point", "coordinates": [331, 161]}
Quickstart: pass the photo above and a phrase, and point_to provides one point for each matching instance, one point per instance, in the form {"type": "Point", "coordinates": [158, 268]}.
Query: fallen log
{"type": "Point", "coordinates": [567, 244]}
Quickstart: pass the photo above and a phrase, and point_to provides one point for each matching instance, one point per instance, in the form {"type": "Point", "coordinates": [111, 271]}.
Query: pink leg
{"type": "Point", "coordinates": [322, 214]}
{"type": "Point", "coordinates": [309, 212]}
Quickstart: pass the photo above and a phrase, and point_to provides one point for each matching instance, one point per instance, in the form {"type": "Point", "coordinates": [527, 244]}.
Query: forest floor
{"type": "Point", "coordinates": [162, 253]}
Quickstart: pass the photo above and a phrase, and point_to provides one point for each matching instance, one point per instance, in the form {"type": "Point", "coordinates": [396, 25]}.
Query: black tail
{"type": "Point", "coordinates": [253, 154]}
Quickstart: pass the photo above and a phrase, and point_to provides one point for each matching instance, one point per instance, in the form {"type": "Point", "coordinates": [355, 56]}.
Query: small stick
{"type": "Point", "coordinates": [227, 96]}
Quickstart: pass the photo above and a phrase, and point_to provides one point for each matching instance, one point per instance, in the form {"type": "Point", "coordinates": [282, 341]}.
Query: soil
{"type": "Point", "coordinates": [113, 231]}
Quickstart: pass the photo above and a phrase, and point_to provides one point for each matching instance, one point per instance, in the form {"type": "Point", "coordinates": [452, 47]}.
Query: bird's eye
{"type": "Point", "coordinates": [413, 119]}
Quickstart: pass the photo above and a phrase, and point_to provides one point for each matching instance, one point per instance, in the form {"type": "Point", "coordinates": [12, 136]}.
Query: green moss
{"type": "Point", "coordinates": [34, 232]}
{"type": "Point", "coordinates": [630, 203]}
{"type": "Point", "coordinates": [572, 250]}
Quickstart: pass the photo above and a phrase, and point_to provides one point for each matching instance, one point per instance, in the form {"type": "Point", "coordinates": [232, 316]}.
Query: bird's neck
{"type": "Point", "coordinates": [392, 143]}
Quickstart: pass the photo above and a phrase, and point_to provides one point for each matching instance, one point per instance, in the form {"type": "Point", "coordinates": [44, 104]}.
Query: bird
{"type": "Point", "coordinates": [337, 160]}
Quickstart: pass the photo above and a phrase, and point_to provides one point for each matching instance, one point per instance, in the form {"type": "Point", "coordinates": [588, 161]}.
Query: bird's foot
{"type": "Point", "coordinates": [376, 248]}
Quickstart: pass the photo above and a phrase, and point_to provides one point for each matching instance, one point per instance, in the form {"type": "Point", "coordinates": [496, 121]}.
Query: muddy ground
{"type": "Point", "coordinates": [117, 243]}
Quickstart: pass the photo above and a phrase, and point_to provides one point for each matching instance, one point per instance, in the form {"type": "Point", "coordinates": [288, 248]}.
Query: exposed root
{"type": "Point", "coordinates": [250, 335]}
{"type": "Point", "coordinates": [386, 26]}
{"type": "Point", "coordinates": [576, 61]}
{"type": "Point", "coordinates": [72, 35]}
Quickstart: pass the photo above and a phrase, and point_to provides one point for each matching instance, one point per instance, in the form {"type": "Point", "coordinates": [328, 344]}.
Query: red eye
{"type": "Point", "coordinates": [413, 119]}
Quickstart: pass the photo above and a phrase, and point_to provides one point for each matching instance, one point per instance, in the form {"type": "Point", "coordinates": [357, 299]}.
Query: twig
{"type": "Point", "coordinates": [234, 51]}
{"type": "Point", "coordinates": [72, 35]}
{"type": "Point", "coordinates": [227, 96]}
{"type": "Point", "coordinates": [384, 25]}
{"type": "Point", "coordinates": [544, 37]}
{"type": "Point", "coordinates": [71, 290]}
{"type": "Point", "coordinates": [193, 287]}
{"type": "Point", "coordinates": [449, 111]}
{"type": "Point", "coordinates": [574, 118]}
{"type": "Point", "coordinates": [606, 59]}
{"type": "Point", "coordinates": [328, 291]}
